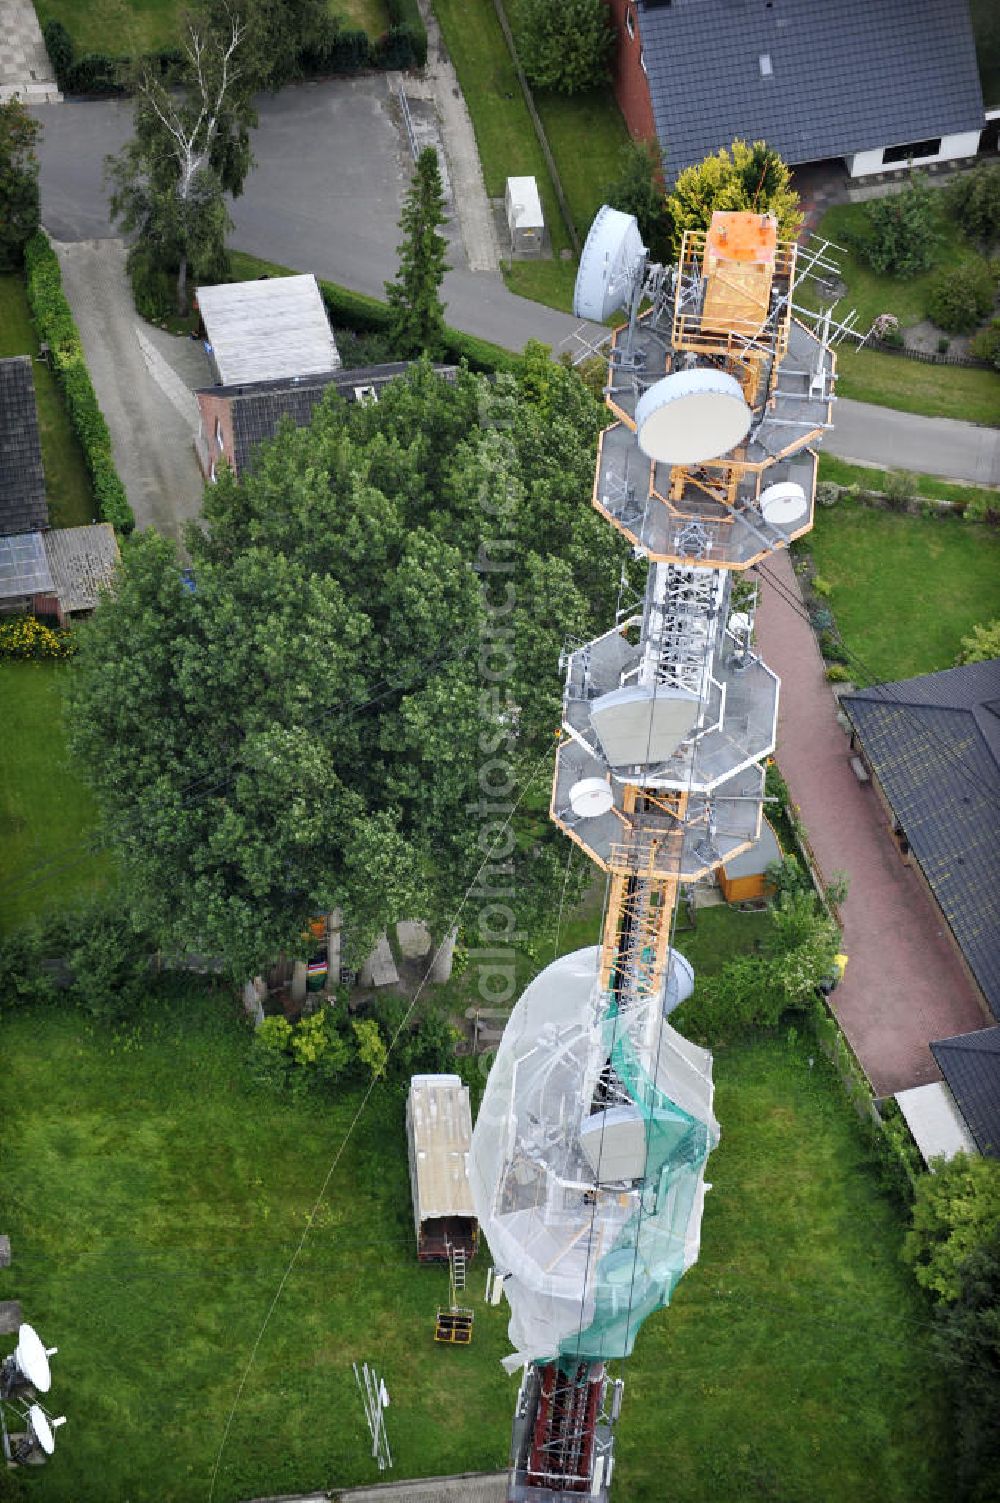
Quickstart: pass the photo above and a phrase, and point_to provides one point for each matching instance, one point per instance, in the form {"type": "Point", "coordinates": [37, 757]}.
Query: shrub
{"type": "Point", "coordinates": [974, 199]}
{"type": "Point", "coordinates": [59, 46]}
{"type": "Point", "coordinates": [827, 493]}
{"type": "Point", "coordinates": [983, 509]}
{"type": "Point", "coordinates": [961, 296]}
{"type": "Point", "coordinates": [339, 50]}
{"type": "Point", "coordinates": [957, 1210]}
{"type": "Point", "coordinates": [832, 647]}
{"type": "Point", "coordinates": [986, 344]}
{"type": "Point", "coordinates": [396, 48]}
{"type": "Point", "coordinates": [154, 290]}
{"type": "Point", "coordinates": [899, 489]}
{"type": "Point", "coordinates": [981, 644]}
{"type": "Point", "coordinates": [56, 327]}
{"type": "Point", "coordinates": [899, 235]}
{"type": "Point", "coordinates": [407, 13]}
{"type": "Point", "coordinates": [311, 1053]}
{"type": "Point", "coordinates": [821, 586]}
{"type": "Point", "coordinates": [943, 345]}
{"type": "Point", "coordinates": [565, 47]}
{"type": "Point", "coordinates": [837, 673]}
{"type": "Point", "coordinates": [97, 73]}
{"type": "Point", "coordinates": [26, 637]}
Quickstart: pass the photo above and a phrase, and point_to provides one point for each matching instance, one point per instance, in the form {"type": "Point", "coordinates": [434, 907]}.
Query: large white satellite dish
{"type": "Point", "coordinates": [610, 265]}
{"type": "Point", "coordinates": [591, 797]}
{"type": "Point", "coordinates": [782, 503]}
{"type": "Point", "coordinates": [692, 415]}
{"type": "Point", "coordinates": [640, 725]}
{"type": "Point", "coordinates": [32, 1358]}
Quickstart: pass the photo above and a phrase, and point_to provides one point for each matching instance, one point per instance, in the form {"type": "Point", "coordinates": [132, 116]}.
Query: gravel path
{"type": "Point", "coordinates": [904, 984]}
{"type": "Point", "coordinates": [150, 410]}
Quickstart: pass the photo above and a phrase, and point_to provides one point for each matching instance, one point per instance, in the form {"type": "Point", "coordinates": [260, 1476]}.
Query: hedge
{"type": "Point", "coordinates": [405, 14]}
{"type": "Point", "coordinates": [56, 328]}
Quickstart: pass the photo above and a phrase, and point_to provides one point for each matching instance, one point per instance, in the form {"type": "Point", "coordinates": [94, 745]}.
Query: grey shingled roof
{"type": "Point", "coordinates": [257, 409]}
{"type": "Point", "coordinates": [22, 482]}
{"type": "Point", "coordinates": [934, 744]}
{"type": "Point", "coordinates": [82, 562]}
{"type": "Point", "coordinates": [971, 1066]}
{"type": "Point", "coordinates": [846, 76]}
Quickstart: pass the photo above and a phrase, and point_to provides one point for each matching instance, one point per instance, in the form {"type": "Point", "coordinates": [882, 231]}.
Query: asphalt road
{"type": "Point", "coordinates": [325, 196]}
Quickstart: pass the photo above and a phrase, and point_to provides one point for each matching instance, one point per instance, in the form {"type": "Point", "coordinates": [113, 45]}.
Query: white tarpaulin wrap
{"type": "Point", "coordinates": [587, 1260]}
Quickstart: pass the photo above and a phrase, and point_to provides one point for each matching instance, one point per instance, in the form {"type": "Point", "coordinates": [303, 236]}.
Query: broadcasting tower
{"type": "Point", "coordinates": [589, 1152]}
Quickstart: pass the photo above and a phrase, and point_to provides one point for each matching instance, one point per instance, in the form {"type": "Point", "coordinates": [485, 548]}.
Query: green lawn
{"type": "Point", "coordinates": [46, 813]}
{"type": "Point", "coordinates": [67, 484]}
{"type": "Point", "coordinates": [905, 589]}
{"type": "Point", "coordinates": [128, 28]}
{"type": "Point", "coordinates": [892, 380]}
{"type": "Point", "coordinates": [872, 479]}
{"type": "Point", "coordinates": [154, 1204]}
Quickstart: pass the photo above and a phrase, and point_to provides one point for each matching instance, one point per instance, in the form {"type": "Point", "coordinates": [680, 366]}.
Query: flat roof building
{"type": "Point", "coordinates": [439, 1136]}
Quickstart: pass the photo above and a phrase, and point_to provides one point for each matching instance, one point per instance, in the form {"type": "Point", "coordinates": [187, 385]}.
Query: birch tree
{"type": "Point", "coordinates": [191, 147]}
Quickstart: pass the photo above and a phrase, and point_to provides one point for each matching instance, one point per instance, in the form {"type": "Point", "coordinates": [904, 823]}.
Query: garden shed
{"type": "Point", "coordinates": [267, 330]}
{"type": "Point", "coordinates": [439, 1136]}
{"type": "Point", "coordinates": [743, 879]}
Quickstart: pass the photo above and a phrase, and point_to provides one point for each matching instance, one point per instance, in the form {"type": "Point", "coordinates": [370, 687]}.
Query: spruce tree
{"type": "Point", "coordinates": [417, 323]}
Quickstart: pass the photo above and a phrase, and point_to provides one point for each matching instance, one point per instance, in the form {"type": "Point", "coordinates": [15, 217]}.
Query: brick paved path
{"type": "Point", "coordinates": [904, 984]}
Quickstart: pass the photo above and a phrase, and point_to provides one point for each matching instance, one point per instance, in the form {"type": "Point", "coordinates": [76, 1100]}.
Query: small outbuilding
{"type": "Point", "coordinates": [525, 220]}
{"type": "Point", "coordinates": [744, 879]}
{"type": "Point", "coordinates": [267, 330]}
{"type": "Point", "coordinates": [439, 1137]}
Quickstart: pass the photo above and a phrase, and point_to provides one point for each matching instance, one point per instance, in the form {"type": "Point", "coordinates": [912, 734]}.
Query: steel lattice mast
{"type": "Point", "coordinates": [590, 1148]}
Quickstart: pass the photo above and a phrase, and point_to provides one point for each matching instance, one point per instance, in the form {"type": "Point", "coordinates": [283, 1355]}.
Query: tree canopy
{"type": "Point", "coordinates": [309, 725]}
{"type": "Point", "coordinates": [957, 1210]}
{"type": "Point", "coordinates": [564, 47]}
{"type": "Point", "coordinates": [638, 189]}
{"type": "Point", "coordinates": [191, 147]}
{"type": "Point", "coordinates": [18, 182]}
{"type": "Point", "coordinates": [740, 177]}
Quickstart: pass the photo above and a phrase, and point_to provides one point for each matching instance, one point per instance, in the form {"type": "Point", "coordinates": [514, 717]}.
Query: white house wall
{"type": "Point", "coordinates": [964, 144]}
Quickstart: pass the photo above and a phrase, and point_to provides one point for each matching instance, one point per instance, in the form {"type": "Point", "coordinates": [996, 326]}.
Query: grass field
{"type": "Point", "coordinates": [67, 485]}
{"type": "Point", "coordinates": [128, 28]}
{"type": "Point", "coordinates": [155, 1201]}
{"type": "Point", "coordinates": [45, 810]}
{"type": "Point", "coordinates": [870, 478]}
{"type": "Point", "coordinates": [905, 589]}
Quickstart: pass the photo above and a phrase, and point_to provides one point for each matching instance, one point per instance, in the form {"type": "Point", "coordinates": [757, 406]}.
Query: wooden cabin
{"type": "Point", "coordinates": [743, 879]}
{"type": "Point", "coordinates": [439, 1136]}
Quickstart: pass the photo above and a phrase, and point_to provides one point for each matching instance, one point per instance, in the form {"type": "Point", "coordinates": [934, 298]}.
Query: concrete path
{"type": "Point", "coordinates": [904, 985]}
{"type": "Point", "coordinates": [905, 441]}
{"type": "Point", "coordinates": [25, 70]}
{"type": "Point", "coordinates": [141, 394]}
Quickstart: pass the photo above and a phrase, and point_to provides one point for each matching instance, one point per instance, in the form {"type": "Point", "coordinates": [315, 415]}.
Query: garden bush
{"type": "Point", "coordinates": [900, 236]}
{"type": "Point", "coordinates": [313, 1053]}
{"type": "Point", "coordinates": [59, 46]}
{"type": "Point", "coordinates": [961, 296]}
{"type": "Point", "coordinates": [26, 637]}
{"type": "Point", "coordinates": [56, 327]}
{"type": "Point", "coordinates": [154, 290]}
{"type": "Point", "coordinates": [986, 344]}
{"type": "Point", "coordinates": [974, 199]}
{"type": "Point", "coordinates": [406, 13]}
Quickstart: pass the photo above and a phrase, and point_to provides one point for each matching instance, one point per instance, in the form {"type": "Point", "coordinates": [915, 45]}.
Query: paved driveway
{"type": "Point", "coordinates": [147, 403]}
{"type": "Point", "coordinates": [904, 985]}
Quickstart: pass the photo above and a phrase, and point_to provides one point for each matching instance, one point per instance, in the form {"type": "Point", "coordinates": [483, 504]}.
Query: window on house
{"type": "Point", "coordinates": [642, 61]}
{"type": "Point", "coordinates": [218, 433]}
{"type": "Point", "coordinates": [911, 150]}
{"type": "Point", "coordinates": [365, 394]}
{"type": "Point", "coordinates": [211, 472]}
{"type": "Point", "coordinates": [766, 66]}
{"type": "Point", "coordinates": [630, 24]}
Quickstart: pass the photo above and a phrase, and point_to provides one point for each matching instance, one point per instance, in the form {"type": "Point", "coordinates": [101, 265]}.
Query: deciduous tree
{"type": "Point", "coordinates": [564, 44]}
{"type": "Point", "coordinates": [18, 182]}
{"type": "Point", "coordinates": [742, 177]}
{"type": "Point", "coordinates": [191, 147]}
{"type": "Point", "coordinates": [638, 189]}
{"type": "Point", "coordinates": [957, 1209]}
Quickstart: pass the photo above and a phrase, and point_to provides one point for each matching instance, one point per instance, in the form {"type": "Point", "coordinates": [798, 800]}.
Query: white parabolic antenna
{"type": "Point", "coordinates": [609, 266]}
{"type": "Point", "coordinates": [783, 502]}
{"type": "Point", "coordinates": [42, 1427]}
{"type": "Point", "coordinates": [590, 797]}
{"type": "Point", "coordinates": [33, 1358]}
{"type": "Point", "coordinates": [690, 416]}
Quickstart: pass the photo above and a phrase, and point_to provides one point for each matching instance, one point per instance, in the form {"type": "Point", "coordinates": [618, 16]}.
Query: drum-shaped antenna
{"type": "Point", "coordinates": [611, 263]}
{"type": "Point", "coordinates": [691, 415]}
{"type": "Point", "coordinates": [591, 797]}
{"type": "Point", "coordinates": [783, 503]}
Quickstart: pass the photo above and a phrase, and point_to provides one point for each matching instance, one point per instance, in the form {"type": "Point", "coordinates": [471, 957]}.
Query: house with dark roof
{"type": "Point", "coordinates": [237, 419]}
{"type": "Point", "coordinates": [970, 1065]}
{"type": "Point", "coordinates": [878, 85]}
{"type": "Point", "coordinates": [932, 748]}
{"type": "Point", "coordinates": [23, 506]}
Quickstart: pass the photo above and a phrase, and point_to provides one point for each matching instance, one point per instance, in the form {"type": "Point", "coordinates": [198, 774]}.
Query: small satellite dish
{"type": "Point", "coordinates": [40, 1427]}
{"type": "Point", "coordinates": [739, 623]}
{"type": "Point", "coordinates": [782, 503]}
{"type": "Point", "coordinates": [590, 797]}
{"type": "Point", "coordinates": [692, 415]}
{"type": "Point", "coordinates": [610, 265]}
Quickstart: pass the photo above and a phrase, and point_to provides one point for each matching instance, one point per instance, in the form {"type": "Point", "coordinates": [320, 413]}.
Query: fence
{"type": "Point", "coordinates": [927, 357]}
{"type": "Point", "coordinates": [543, 139]}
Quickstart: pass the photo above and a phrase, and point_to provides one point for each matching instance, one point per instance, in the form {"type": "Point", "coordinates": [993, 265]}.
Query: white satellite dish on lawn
{"type": "Point", "coordinates": [591, 797]}
{"type": "Point", "coordinates": [783, 503]}
{"type": "Point", "coordinates": [611, 264]}
{"type": "Point", "coordinates": [28, 1364]}
{"type": "Point", "coordinates": [40, 1428]}
{"type": "Point", "coordinates": [692, 415]}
